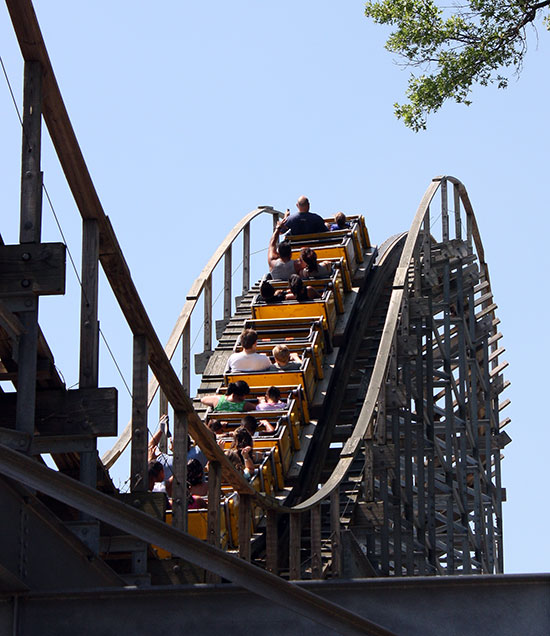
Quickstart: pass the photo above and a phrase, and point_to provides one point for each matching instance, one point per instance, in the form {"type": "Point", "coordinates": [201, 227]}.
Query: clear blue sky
{"type": "Point", "coordinates": [190, 114]}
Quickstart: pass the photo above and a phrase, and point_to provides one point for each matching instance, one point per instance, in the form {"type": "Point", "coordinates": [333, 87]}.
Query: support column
{"type": "Point", "coordinates": [89, 335]}
{"type": "Point", "coordinates": [30, 232]}
{"type": "Point", "coordinates": [138, 468]}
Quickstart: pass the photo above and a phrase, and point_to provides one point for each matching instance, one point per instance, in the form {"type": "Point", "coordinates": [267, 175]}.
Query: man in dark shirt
{"type": "Point", "coordinates": [304, 221]}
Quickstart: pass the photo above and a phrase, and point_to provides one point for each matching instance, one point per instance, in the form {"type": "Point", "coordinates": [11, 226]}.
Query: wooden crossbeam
{"type": "Point", "coordinates": [91, 412]}
{"type": "Point", "coordinates": [37, 269]}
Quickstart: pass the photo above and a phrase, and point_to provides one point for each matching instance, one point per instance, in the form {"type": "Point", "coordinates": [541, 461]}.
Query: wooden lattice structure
{"type": "Point", "coordinates": [402, 476]}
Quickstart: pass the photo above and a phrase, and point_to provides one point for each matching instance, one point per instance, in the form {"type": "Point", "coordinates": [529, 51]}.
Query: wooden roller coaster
{"type": "Point", "coordinates": [383, 461]}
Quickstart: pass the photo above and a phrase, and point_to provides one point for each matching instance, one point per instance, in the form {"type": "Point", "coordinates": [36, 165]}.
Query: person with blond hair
{"type": "Point", "coordinates": [285, 360]}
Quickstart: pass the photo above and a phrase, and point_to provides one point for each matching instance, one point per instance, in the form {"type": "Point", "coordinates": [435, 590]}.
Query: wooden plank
{"type": "Point", "coordinates": [246, 258]}
{"type": "Point", "coordinates": [214, 512]}
{"type": "Point", "coordinates": [89, 334]}
{"type": "Point", "coordinates": [32, 269]}
{"type": "Point", "coordinates": [316, 562]}
{"type": "Point", "coordinates": [185, 359]}
{"type": "Point", "coordinates": [458, 222]}
{"type": "Point", "coordinates": [498, 369]}
{"type": "Point", "coordinates": [14, 258]}
{"type": "Point", "coordinates": [139, 481]}
{"type": "Point", "coordinates": [245, 519]}
{"type": "Point", "coordinates": [383, 456]}
{"type": "Point", "coordinates": [487, 310]}
{"type": "Point", "coordinates": [26, 368]}
{"type": "Point", "coordinates": [335, 534]}
{"type": "Point", "coordinates": [295, 544]}
{"type": "Point", "coordinates": [496, 353]}
{"type": "Point", "coordinates": [76, 412]}
{"type": "Point", "coordinates": [214, 492]}
{"type": "Point", "coordinates": [31, 177]}
{"type": "Point", "coordinates": [89, 325]}
{"type": "Point", "coordinates": [227, 295]}
{"type": "Point", "coordinates": [179, 469]}
{"type": "Point", "coordinates": [271, 560]}
{"type": "Point", "coordinates": [10, 322]}
{"type": "Point", "coordinates": [444, 211]}
{"type": "Point", "coordinates": [207, 321]}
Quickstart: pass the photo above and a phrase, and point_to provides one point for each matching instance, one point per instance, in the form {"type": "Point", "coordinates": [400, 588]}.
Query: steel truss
{"type": "Point", "coordinates": [431, 500]}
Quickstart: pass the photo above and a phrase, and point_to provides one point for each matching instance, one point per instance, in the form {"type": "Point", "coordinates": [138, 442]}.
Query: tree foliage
{"type": "Point", "coordinates": [455, 47]}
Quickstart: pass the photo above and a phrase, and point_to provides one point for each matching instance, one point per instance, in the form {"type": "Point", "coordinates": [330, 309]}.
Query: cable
{"type": "Point", "coordinates": [50, 203]}
{"type": "Point", "coordinates": [11, 91]}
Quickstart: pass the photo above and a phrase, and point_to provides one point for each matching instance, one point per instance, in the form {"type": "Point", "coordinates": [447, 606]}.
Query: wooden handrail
{"type": "Point", "coordinates": [116, 269]}
{"type": "Point", "coordinates": [192, 298]}
{"type": "Point", "coordinates": [112, 260]}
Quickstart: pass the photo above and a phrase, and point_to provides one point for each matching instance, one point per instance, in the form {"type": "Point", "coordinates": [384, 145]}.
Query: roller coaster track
{"type": "Point", "coordinates": [402, 475]}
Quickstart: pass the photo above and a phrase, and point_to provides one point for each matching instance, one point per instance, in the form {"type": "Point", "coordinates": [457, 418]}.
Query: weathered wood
{"type": "Point", "coordinates": [369, 514]}
{"type": "Point", "coordinates": [89, 325]}
{"type": "Point", "coordinates": [246, 258]}
{"type": "Point", "coordinates": [458, 222]}
{"type": "Point", "coordinates": [444, 211]}
{"type": "Point", "coordinates": [31, 178]}
{"type": "Point", "coordinates": [10, 322]}
{"type": "Point", "coordinates": [32, 269]}
{"type": "Point", "coordinates": [186, 358]}
{"type": "Point", "coordinates": [26, 367]}
{"type": "Point", "coordinates": [138, 459]}
{"type": "Point", "coordinates": [295, 544]}
{"type": "Point", "coordinates": [89, 333]}
{"type": "Point", "coordinates": [316, 562]}
{"type": "Point", "coordinates": [214, 493]}
{"type": "Point", "coordinates": [214, 514]}
{"type": "Point", "coordinates": [227, 294]}
{"type": "Point", "coordinates": [383, 456]}
{"type": "Point", "coordinates": [90, 412]}
{"type": "Point", "coordinates": [179, 469]}
{"type": "Point", "coordinates": [207, 291]}
{"type": "Point", "coordinates": [244, 526]}
{"type": "Point", "coordinates": [271, 559]}
{"type": "Point", "coordinates": [112, 260]}
{"type": "Point", "coordinates": [335, 534]}
{"type": "Point", "coordinates": [30, 229]}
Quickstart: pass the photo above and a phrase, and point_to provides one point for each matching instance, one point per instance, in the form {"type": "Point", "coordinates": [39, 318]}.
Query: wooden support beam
{"type": "Point", "coordinates": [245, 519]}
{"type": "Point", "coordinates": [89, 334]}
{"type": "Point", "coordinates": [207, 291]}
{"type": "Point", "coordinates": [89, 325]}
{"type": "Point", "coordinates": [30, 269]}
{"type": "Point", "coordinates": [31, 177]}
{"type": "Point", "coordinates": [214, 493]}
{"type": "Point", "coordinates": [179, 470]}
{"type": "Point", "coordinates": [30, 233]}
{"type": "Point", "coordinates": [186, 358]}
{"type": "Point", "coordinates": [10, 322]}
{"type": "Point", "coordinates": [227, 293]}
{"type": "Point", "coordinates": [335, 534]}
{"type": "Point", "coordinates": [444, 211]}
{"type": "Point", "coordinates": [458, 222]}
{"type": "Point", "coordinates": [91, 412]}
{"type": "Point", "coordinates": [139, 481]}
{"type": "Point", "coordinates": [214, 512]}
{"type": "Point", "coordinates": [271, 559]}
{"type": "Point", "coordinates": [246, 258]}
{"type": "Point", "coordinates": [316, 561]}
{"type": "Point", "coordinates": [295, 544]}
